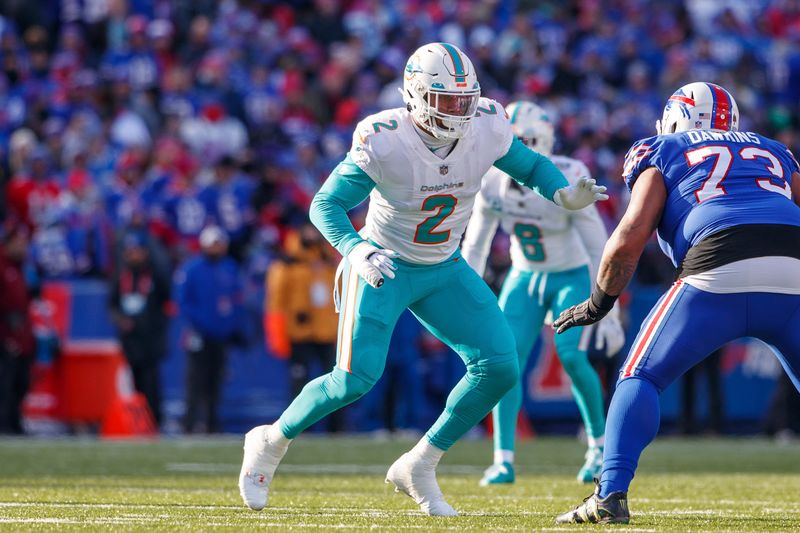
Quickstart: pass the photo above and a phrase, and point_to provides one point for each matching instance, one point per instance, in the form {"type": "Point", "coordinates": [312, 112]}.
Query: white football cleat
{"type": "Point", "coordinates": [418, 480]}
{"type": "Point", "coordinates": [593, 466]}
{"type": "Point", "coordinates": [261, 459]}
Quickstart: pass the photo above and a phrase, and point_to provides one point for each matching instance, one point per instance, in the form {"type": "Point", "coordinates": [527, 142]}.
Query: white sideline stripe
{"type": "Point", "coordinates": [714, 512]}
{"type": "Point", "coordinates": [625, 528]}
{"type": "Point", "coordinates": [331, 468]}
{"type": "Point", "coordinates": [715, 502]}
{"type": "Point", "coordinates": [39, 521]}
{"type": "Point", "coordinates": [314, 525]}
{"type": "Point", "coordinates": [95, 520]}
{"type": "Point", "coordinates": [360, 511]}
{"type": "Point", "coordinates": [282, 524]}
{"type": "Point", "coordinates": [115, 505]}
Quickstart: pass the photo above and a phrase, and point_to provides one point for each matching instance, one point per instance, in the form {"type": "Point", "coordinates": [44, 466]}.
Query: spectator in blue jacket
{"type": "Point", "coordinates": [209, 296]}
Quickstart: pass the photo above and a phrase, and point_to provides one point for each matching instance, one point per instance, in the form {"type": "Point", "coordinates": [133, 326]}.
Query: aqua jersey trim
{"type": "Point", "coordinates": [531, 169]}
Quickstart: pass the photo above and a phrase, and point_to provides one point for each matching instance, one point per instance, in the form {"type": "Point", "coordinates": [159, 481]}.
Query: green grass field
{"type": "Point", "coordinates": [684, 485]}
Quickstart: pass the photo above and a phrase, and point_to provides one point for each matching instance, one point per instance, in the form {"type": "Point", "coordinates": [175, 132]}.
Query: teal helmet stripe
{"type": "Point", "coordinates": [515, 113]}
{"type": "Point", "coordinates": [458, 64]}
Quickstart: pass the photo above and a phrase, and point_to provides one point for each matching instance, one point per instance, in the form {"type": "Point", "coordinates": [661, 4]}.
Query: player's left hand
{"type": "Point", "coordinates": [585, 192]}
{"type": "Point", "coordinates": [609, 336]}
{"type": "Point", "coordinates": [583, 314]}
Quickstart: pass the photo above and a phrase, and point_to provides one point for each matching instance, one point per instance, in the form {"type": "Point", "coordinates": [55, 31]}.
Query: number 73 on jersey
{"type": "Point", "coordinates": [723, 159]}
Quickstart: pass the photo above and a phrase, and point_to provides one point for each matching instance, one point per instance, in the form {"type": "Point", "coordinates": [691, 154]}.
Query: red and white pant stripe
{"type": "Point", "coordinates": [648, 331]}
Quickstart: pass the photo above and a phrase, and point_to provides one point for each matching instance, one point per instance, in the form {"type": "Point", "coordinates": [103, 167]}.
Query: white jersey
{"type": "Point", "coordinates": [421, 203]}
{"type": "Point", "coordinates": [544, 236]}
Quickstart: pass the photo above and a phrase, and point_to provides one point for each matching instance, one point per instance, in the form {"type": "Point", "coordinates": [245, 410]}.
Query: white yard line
{"type": "Point", "coordinates": [790, 500]}
{"type": "Point", "coordinates": [117, 505]}
{"type": "Point", "coordinates": [626, 529]}
{"type": "Point", "coordinates": [323, 468]}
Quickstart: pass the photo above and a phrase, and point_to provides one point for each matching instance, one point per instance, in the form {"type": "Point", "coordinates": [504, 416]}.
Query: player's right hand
{"type": "Point", "coordinates": [372, 263]}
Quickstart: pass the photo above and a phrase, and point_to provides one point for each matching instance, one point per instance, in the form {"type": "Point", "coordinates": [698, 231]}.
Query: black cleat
{"type": "Point", "coordinates": [613, 509]}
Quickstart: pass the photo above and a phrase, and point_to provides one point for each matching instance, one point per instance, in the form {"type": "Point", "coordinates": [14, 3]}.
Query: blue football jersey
{"type": "Point", "coordinates": [714, 181]}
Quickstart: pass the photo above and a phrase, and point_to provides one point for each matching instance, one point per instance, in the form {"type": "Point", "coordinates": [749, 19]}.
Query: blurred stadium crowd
{"type": "Point", "coordinates": [159, 118]}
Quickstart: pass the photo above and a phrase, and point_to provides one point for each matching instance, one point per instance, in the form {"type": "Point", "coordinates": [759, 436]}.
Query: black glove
{"type": "Point", "coordinates": [585, 313]}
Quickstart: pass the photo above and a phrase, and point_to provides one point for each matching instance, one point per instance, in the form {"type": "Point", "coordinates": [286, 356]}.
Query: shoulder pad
{"type": "Point", "coordinates": [492, 118]}
{"type": "Point", "coordinates": [374, 139]}
{"type": "Point", "coordinates": [488, 107]}
{"type": "Point", "coordinates": [638, 159]}
{"type": "Point", "coordinates": [783, 153]}
{"type": "Point", "coordinates": [796, 167]}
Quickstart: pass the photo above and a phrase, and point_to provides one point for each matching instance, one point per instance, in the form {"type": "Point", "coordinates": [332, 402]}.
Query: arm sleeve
{"type": "Point", "coordinates": [479, 235]}
{"type": "Point", "coordinates": [346, 187]}
{"type": "Point", "coordinates": [593, 234]}
{"type": "Point", "coordinates": [532, 170]}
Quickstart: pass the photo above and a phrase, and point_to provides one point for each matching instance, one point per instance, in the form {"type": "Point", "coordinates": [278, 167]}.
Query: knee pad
{"type": "Point", "coordinates": [346, 387]}
{"type": "Point", "coordinates": [504, 372]}
{"type": "Point", "coordinates": [647, 380]}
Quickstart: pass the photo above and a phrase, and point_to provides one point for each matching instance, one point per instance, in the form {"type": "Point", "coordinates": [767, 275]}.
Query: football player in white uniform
{"type": "Point", "coordinates": [421, 167]}
{"type": "Point", "coordinates": [555, 254]}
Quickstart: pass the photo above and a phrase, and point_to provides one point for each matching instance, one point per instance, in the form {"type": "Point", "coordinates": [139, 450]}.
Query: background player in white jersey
{"type": "Point", "coordinates": [421, 166]}
{"type": "Point", "coordinates": [554, 253]}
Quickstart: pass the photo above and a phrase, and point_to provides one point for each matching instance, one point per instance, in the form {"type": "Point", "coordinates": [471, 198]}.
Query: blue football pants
{"type": "Point", "coordinates": [683, 328]}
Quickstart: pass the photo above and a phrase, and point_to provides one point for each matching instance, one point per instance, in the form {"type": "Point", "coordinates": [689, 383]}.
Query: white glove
{"type": "Point", "coordinates": [609, 334]}
{"type": "Point", "coordinates": [578, 196]}
{"type": "Point", "coordinates": [372, 263]}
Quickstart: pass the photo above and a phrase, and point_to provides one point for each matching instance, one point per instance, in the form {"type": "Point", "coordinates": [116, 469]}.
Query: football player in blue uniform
{"type": "Point", "coordinates": [726, 205]}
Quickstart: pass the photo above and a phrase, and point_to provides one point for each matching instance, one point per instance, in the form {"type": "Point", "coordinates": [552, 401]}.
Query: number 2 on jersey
{"type": "Point", "coordinates": [723, 158]}
{"type": "Point", "coordinates": [530, 240]}
{"type": "Point", "coordinates": [444, 205]}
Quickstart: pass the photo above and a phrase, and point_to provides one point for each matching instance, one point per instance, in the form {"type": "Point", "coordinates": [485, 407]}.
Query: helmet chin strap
{"type": "Point", "coordinates": [429, 133]}
{"type": "Point", "coordinates": [424, 129]}
{"type": "Point", "coordinates": [440, 147]}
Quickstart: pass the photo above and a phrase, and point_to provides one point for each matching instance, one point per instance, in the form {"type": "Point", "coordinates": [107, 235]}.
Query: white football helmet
{"type": "Point", "coordinates": [441, 89]}
{"type": "Point", "coordinates": [532, 125]}
{"type": "Point", "coordinates": [699, 106]}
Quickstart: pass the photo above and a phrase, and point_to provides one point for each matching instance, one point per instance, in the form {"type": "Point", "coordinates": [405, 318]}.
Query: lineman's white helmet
{"type": "Point", "coordinates": [699, 106]}
{"type": "Point", "coordinates": [532, 125]}
{"type": "Point", "coordinates": [441, 89]}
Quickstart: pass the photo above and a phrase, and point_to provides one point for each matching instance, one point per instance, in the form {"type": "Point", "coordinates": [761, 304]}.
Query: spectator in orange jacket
{"type": "Point", "coordinates": [300, 321]}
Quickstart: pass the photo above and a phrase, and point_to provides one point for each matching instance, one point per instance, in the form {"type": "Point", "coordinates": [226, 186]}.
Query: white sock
{"type": "Point", "coordinates": [275, 436]}
{"type": "Point", "coordinates": [503, 456]}
{"type": "Point", "coordinates": [596, 442]}
{"type": "Point", "coordinates": [427, 452]}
